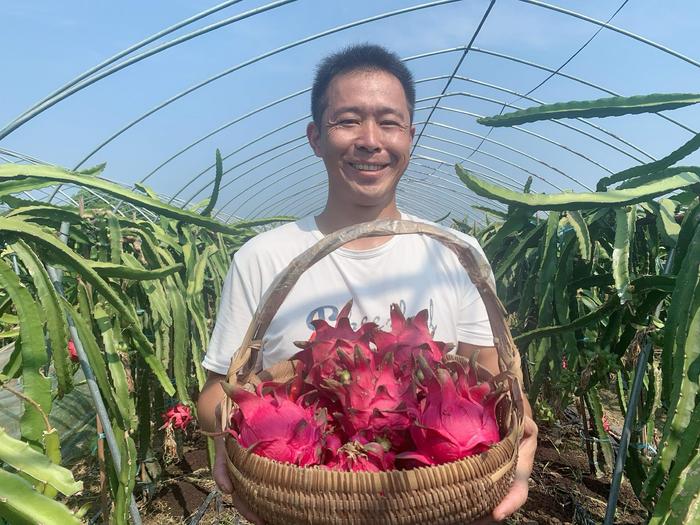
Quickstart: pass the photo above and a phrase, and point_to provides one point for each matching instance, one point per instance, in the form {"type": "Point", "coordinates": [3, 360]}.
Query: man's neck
{"type": "Point", "coordinates": [333, 218]}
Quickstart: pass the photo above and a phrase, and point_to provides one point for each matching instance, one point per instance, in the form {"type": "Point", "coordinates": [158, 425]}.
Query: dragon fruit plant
{"type": "Point", "coordinates": [368, 400]}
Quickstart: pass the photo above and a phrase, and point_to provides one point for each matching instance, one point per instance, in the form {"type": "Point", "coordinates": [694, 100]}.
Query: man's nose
{"type": "Point", "coordinates": [369, 136]}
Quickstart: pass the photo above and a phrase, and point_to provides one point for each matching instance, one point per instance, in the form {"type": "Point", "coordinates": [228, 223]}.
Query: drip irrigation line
{"type": "Point", "coordinates": [456, 69]}
{"type": "Point", "coordinates": [554, 73]}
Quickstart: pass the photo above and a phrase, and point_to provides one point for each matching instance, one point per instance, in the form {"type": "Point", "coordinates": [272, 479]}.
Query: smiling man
{"type": "Point", "coordinates": [362, 104]}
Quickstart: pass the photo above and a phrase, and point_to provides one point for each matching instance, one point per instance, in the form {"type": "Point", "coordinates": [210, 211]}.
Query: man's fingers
{"type": "Point", "coordinates": [222, 479]}
{"type": "Point", "coordinates": [515, 499]}
{"type": "Point", "coordinates": [245, 511]}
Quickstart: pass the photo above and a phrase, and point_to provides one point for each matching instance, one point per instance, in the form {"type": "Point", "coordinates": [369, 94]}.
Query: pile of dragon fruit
{"type": "Point", "coordinates": [368, 400]}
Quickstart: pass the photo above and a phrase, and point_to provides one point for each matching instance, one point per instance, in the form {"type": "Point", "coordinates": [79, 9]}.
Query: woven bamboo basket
{"type": "Point", "coordinates": [452, 493]}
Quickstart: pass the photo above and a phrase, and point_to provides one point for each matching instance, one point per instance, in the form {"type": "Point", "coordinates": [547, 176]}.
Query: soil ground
{"type": "Point", "coordinates": [562, 490]}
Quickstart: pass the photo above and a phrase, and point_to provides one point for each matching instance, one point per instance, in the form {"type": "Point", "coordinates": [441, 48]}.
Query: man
{"type": "Point", "coordinates": [362, 104]}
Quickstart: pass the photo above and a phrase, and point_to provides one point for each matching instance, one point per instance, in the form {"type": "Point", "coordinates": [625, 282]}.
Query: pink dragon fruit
{"type": "Point", "coordinates": [449, 426]}
{"type": "Point", "coordinates": [319, 353]}
{"type": "Point", "coordinates": [374, 401]}
{"type": "Point", "coordinates": [278, 428]}
{"type": "Point", "coordinates": [369, 400]}
{"type": "Point", "coordinates": [409, 338]}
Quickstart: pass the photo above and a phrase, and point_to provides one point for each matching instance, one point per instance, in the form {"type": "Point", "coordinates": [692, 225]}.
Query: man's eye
{"type": "Point", "coordinates": [347, 122]}
{"type": "Point", "coordinates": [390, 123]}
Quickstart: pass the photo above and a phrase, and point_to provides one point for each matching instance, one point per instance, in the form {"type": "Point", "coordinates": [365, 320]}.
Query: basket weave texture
{"type": "Point", "coordinates": [453, 493]}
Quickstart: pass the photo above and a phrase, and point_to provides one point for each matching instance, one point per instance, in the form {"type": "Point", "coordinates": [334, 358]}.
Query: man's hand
{"type": "Point", "coordinates": [223, 481]}
{"type": "Point", "coordinates": [208, 410]}
{"type": "Point", "coordinates": [517, 496]}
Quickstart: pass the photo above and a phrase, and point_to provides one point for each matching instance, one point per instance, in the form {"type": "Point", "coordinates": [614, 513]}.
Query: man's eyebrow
{"type": "Point", "coordinates": [382, 110]}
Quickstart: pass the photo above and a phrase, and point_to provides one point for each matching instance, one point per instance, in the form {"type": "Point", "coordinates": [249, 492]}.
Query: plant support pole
{"type": "Point", "coordinates": [91, 382]}
{"type": "Point", "coordinates": [627, 430]}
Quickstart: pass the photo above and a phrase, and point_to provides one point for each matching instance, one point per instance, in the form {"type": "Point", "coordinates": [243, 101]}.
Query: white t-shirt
{"type": "Point", "coordinates": [415, 271]}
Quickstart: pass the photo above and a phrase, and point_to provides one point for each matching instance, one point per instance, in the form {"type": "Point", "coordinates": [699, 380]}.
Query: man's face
{"type": "Point", "coordinates": [365, 137]}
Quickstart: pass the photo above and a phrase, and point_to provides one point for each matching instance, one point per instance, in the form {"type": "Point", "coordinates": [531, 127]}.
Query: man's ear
{"type": "Point", "coordinates": [314, 137]}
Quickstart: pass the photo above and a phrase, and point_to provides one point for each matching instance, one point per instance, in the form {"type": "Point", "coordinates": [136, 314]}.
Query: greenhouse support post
{"type": "Point", "coordinates": [57, 279]}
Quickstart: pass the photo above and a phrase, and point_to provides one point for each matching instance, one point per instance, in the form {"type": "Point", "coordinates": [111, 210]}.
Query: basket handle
{"type": "Point", "coordinates": [243, 361]}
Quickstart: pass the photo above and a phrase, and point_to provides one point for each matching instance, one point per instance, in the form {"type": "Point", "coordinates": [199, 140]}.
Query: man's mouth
{"type": "Point", "coordinates": [368, 167]}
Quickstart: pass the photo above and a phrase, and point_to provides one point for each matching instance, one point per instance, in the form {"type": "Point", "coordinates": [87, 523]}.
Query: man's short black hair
{"type": "Point", "coordinates": [359, 57]}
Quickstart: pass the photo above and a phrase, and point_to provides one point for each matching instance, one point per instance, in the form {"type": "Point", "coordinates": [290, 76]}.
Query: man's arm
{"type": "Point", "coordinates": [516, 498]}
{"type": "Point", "coordinates": [209, 416]}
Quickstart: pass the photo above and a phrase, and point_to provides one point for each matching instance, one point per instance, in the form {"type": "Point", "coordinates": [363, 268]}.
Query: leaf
{"type": "Point", "coordinates": [56, 325]}
{"type": "Point", "coordinates": [575, 219]}
{"type": "Point", "coordinates": [119, 271]}
{"type": "Point", "coordinates": [651, 167]}
{"type": "Point", "coordinates": [42, 174]}
{"type": "Point", "coordinates": [217, 183]}
{"type": "Point", "coordinates": [21, 504]}
{"type": "Point", "coordinates": [624, 231]}
{"type": "Point", "coordinates": [578, 201]}
{"type": "Point", "coordinates": [67, 257]}
{"type": "Point", "coordinates": [22, 457]}
{"type": "Point", "coordinates": [34, 356]}
{"type": "Point", "coordinates": [602, 107]}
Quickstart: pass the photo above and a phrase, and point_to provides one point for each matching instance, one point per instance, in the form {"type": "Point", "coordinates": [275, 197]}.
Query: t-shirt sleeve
{"type": "Point", "coordinates": [473, 322]}
{"type": "Point", "coordinates": [236, 309]}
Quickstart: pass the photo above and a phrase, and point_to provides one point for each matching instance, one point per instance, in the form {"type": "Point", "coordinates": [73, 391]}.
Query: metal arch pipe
{"type": "Point", "coordinates": [263, 208]}
{"type": "Point", "coordinates": [516, 184]}
{"type": "Point", "coordinates": [221, 128]}
{"type": "Point", "coordinates": [238, 150]}
{"type": "Point", "coordinates": [420, 203]}
{"type": "Point", "coordinates": [129, 61]}
{"type": "Point", "coordinates": [276, 181]}
{"type": "Point", "coordinates": [536, 135]}
{"type": "Point", "coordinates": [250, 159]}
{"type": "Point", "coordinates": [449, 195]}
{"type": "Point", "coordinates": [509, 148]}
{"type": "Point", "coordinates": [129, 50]}
{"type": "Point", "coordinates": [616, 29]}
{"type": "Point", "coordinates": [460, 144]}
{"type": "Point", "coordinates": [571, 77]}
{"type": "Point", "coordinates": [428, 79]}
{"type": "Point", "coordinates": [556, 122]}
{"type": "Point", "coordinates": [258, 58]}
{"type": "Point", "coordinates": [454, 191]}
{"type": "Point", "coordinates": [407, 178]}
{"type": "Point", "coordinates": [257, 182]}
{"type": "Point", "coordinates": [405, 195]}
{"type": "Point", "coordinates": [532, 99]}
{"type": "Point", "coordinates": [454, 72]}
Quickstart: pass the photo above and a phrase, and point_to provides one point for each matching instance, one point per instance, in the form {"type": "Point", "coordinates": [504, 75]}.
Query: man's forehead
{"type": "Point", "coordinates": [356, 90]}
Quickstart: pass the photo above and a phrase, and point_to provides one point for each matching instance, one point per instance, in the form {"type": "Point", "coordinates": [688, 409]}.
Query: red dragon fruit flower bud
{"type": "Point", "coordinates": [177, 416]}
{"type": "Point", "coordinates": [72, 352]}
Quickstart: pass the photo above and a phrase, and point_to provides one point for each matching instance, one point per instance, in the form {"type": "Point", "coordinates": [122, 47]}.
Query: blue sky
{"type": "Point", "coordinates": [49, 43]}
